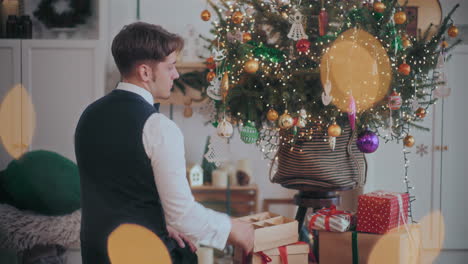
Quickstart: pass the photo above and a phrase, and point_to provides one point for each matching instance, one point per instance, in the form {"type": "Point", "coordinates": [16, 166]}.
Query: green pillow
{"type": "Point", "coordinates": [42, 181]}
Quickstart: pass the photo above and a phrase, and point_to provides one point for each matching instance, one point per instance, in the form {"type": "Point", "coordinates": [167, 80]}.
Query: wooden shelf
{"type": "Point", "coordinates": [215, 188]}
{"type": "Point", "coordinates": [241, 200]}
{"type": "Point", "coordinates": [190, 66]}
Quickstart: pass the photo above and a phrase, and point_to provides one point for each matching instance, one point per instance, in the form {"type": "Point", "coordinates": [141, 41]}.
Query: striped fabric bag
{"type": "Point", "coordinates": [312, 165]}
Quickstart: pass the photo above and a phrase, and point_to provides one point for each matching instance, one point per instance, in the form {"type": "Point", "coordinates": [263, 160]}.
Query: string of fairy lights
{"type": "Point", "coordinates": [237, 27]}
{"type": "Point", "coordinates": [273, 83]}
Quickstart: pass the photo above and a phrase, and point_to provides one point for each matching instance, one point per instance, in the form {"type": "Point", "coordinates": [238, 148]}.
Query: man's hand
{"type": "Point", "coordinates": [242, 235]}
{"type": "Point", "coordinates": [180, 238]}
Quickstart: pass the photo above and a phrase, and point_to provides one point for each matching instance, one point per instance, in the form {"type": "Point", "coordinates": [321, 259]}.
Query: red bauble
{"type": "Point", "coordinates": [303, 45]}
{"type": "Point", "coordinates": [210, 63]}
{"type": "Point", "coordinates": [404, 69]}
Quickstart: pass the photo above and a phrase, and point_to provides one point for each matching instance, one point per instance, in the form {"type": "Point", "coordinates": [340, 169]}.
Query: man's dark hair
{"type": "Point", "coordinates": [140, 42]}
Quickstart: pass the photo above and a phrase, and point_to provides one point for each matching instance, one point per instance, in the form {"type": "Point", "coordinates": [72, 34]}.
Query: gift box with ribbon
{"type": "Point", "coordinates": [330, 219]}
{"type": "Point", "coordinates": [296, 253]}
{"type": "Point", "coordinates": [399, 246]}
{"type": "Point", "coordinates": [381, 211]}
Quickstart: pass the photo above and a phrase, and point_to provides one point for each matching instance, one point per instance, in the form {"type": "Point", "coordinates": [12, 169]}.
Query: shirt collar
{"type": "Point", "coordinates": [136, 89]}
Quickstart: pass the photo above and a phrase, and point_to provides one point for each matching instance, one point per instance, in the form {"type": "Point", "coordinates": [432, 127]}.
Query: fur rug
{"type": "Point", "coordinates": [22, 230]}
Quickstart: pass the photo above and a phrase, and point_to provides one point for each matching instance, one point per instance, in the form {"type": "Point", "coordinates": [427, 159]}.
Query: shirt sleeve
{"type": "Point", "coordinates": [164, 145]}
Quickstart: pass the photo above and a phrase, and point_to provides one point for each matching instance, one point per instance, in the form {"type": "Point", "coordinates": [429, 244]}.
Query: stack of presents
{"type": "Point", "coordinates": [378, 232]}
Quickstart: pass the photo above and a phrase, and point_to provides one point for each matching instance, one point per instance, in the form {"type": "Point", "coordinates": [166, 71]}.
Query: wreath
{"type": "Point", "coordinates": [72, 15]}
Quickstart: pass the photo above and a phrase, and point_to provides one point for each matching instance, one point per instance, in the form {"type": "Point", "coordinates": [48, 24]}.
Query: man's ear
{"type": "Point", "coordinates": [144, 72]}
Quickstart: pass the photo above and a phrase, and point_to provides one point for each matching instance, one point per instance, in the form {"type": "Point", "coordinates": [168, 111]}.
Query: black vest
{"type": "Point", "coordinates": [117, 182]}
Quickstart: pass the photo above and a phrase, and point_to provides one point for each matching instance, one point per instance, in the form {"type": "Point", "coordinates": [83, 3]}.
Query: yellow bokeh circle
{"type": "Point", "coordinates": [130, 243]}
{"type": "Point", "coordinates": [356, 64]}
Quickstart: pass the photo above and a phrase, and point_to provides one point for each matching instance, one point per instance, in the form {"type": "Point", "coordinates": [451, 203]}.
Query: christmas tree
{"type": "Point", "coordinates": [290, 66]}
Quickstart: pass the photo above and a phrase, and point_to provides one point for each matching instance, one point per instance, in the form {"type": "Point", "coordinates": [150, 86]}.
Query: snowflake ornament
{"type": "Point", "coordinates": [422, 150]}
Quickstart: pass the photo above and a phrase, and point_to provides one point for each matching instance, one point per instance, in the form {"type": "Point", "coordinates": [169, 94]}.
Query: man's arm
{"type": "Point", "coordinates": [164, 145]}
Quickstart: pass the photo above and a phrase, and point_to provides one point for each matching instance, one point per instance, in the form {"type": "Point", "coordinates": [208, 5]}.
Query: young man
{"type": "Point", "coordinates": [131, 158]}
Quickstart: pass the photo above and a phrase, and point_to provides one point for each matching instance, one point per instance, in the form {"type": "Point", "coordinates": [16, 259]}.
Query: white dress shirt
{"type": "Point", "coordinates": [164, 145]}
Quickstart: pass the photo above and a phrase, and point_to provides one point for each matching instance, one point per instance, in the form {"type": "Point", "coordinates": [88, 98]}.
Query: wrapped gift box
{"type": "Point", "coordinates": [381, 211]}
{"type": "Point", "coordinates": [272, 230]}
{"type": "Point", "coordinates": [297, 253]}
{"type": "Point", "coordinates": [395, 247]}
{"type": "Point", "coordinates": [330, 219]}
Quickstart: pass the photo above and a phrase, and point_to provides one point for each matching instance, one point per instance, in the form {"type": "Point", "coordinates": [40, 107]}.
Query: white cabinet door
{"type": "Point", "coordinates": [453, 170]}
{"type": "Point", "coordinates": [10, 76]}
{"type": "Point", "coordinates": [62, 78]}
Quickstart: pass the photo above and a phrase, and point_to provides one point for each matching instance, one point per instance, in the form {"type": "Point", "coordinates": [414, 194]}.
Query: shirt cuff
{"type": "Point", "coordinates": [221, 235]}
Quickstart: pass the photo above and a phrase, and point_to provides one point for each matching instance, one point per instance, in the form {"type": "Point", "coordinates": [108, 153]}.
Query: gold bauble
{"type": "Point", "coordinates": [444, 44]}
{"type": "Point", "coordinates": [246, 37]}
{"type": "Point", "coordinates": [399, 17]}
{"type": "Point", "coordinates": [210, 76]}
{"type": "Point", "coordinates": [205, 15]}
{"type": "Point", "coordinates": [285, 121]}
{"type": "Point", "coordinates": [421, 112]}
{"type": "Point", "coordinates": [409, 141]}
{"type": "Point", "coordinates": [251, 66]}
{"type": "Point", "coordinates": [452, 31]}
{"type": "Point", "coordinates": [237, 17]}
{"type": "Point", "coordinates": [379, 7]}
{"type": "Point", "coordinates": [225, 85]}
{"type": "Point", "coordinates": [334, 130]}
{"type": "Point", "coordinates": [406, 43]}
{"type": "Point", "coordinates": [272, 115]}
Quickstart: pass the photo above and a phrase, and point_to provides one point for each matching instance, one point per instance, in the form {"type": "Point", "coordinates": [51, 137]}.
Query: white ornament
{"type": "Point", "coordinates": [441, 60]}
{"type": "Point", "coordinates": [214, 90]}
{"type": "Point", "coordinates": [297, 31]}
{"type": "Point", "coordinates": [218, 151]}
{"type": "Point", "coordinates": [301, 122]}
{"type": "Point", "coordinates": [442, 91]}
{"type": "Point", "coordinates": [327, 87]}
{"type": "Point", "coordinates": [219, 55]}
{"type": "Point", "coordinates": [332, 142]}
{"type": "Point", "coordinates": [326, 96]}
{"type": "Point", "coordinates": [303, 113]}
{"type": "Point", "coordinates": [224, 129]}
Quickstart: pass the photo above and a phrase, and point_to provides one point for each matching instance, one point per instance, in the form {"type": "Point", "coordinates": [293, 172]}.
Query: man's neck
{"type": "Point", "coordinates": [137, 83]}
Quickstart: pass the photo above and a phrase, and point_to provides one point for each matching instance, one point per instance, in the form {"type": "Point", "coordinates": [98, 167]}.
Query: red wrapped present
{"type": "Point", "coordinates": [381, 211]}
